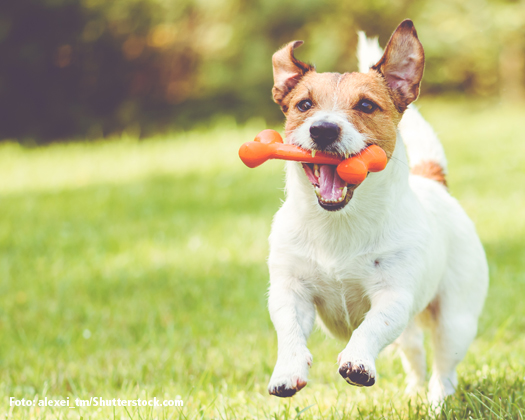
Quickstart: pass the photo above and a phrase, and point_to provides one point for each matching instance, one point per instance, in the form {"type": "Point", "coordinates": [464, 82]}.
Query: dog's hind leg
{"type": "Point", "coordinates": [293, 313]}
{"type": "Point", "coordinates": [455, 310]}
{"type": "Point", "coordinates": [453, 329]}
{"type": "Point", "coordinates": [413, 357]}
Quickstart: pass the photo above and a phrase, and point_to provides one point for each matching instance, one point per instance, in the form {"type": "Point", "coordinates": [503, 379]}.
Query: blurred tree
{"type": "Point", "coordinates": [90, 68]}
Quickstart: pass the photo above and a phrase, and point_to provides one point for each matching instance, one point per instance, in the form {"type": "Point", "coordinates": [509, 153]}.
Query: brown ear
{"type": "Point", "coordinates": [287, 71]}
{"type": "Point", "coordinates": [402, 64]}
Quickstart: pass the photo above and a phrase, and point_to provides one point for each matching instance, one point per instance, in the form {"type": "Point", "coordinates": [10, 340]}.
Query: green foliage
{"type": "Point", "coordinates": [132, 269]}
{"type": "Point", "coordinates": [92, 68]}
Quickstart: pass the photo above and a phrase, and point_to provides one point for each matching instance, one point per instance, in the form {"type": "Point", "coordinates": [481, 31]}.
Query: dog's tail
{"type": "Point", "coordinates": [368, 52]}
{"type": "Point", "coordinates": [425, 152]}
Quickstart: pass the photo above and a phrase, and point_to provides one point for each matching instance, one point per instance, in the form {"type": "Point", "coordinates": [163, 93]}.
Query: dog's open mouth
{"type": "Point", "coordinates": [332, 192]}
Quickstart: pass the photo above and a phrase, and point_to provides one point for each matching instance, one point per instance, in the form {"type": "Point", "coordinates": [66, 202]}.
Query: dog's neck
{"type": "Point", "coordinates": [373, 201]}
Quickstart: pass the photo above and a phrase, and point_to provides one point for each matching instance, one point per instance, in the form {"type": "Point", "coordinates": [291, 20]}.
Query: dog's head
{"type": "Point", "coordinates": [343, 113]}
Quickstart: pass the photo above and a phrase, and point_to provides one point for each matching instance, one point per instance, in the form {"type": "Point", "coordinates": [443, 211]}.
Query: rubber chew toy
{"type": "Point", "coordinates": [269, 144]}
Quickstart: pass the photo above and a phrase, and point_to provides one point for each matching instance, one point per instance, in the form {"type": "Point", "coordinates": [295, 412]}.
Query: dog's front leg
{"type": "Point", "coordinates": [389, 314]}
{"type": "Point", "coordinates": [293, 313]}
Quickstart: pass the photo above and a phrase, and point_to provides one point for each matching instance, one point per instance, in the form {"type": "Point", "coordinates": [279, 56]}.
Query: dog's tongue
{"type": "Point", "coordinates": [330, 184]}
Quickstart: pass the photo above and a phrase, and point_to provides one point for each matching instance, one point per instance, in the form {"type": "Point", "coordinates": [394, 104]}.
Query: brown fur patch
{"type": "Point", "coordinates": [402, 64]}
{"type": "Point", "coordinates": [430, 170]}
{"type": "Point", "coordinates": [287, 71]}
{"type": "Point", "coordinates": [380, 126]}
{"type": "Point", "coordinates": [343, 92]}
{"type": "Point", "coordinates": [433, 309]}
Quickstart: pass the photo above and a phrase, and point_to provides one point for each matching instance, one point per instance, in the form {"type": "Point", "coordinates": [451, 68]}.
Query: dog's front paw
{"type": "Point", "coordinates": [290, 377]}
{"type": "Point", "coordinates": [358, 372]}
{"type": "Point", "coordinates": [286, 387]}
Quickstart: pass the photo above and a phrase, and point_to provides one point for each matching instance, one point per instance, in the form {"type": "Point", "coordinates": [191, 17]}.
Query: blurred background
{"type": "Point", "coordinates": [137, 266]}
{"type": "Point", "coordinates": [86, 69]}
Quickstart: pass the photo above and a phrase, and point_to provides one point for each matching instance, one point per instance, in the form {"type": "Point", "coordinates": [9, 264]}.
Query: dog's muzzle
{"type": "Point", "coordinates": [324, 133]}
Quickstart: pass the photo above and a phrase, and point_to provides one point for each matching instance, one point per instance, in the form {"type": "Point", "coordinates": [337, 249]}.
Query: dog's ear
{"type": "Point", "coordinates": [402, 64]}
{"type": "Point", "coordinates": [287, 71]}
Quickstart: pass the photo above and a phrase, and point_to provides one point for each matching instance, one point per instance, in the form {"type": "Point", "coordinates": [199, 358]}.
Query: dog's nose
{"type": "Point", "coordinates": [324, 133]}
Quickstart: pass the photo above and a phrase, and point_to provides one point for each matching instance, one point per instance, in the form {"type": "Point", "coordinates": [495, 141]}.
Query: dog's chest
{"type": "Point", "coordinates": [338, 266]}
{"type": "Point", "coordinates": [340, 287]}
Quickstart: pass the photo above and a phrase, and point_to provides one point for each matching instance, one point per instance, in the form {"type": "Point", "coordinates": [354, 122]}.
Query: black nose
{"type": "Point", "coordinates": [324, 133]}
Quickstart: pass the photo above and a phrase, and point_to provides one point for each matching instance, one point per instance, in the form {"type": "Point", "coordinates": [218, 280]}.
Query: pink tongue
{"type": "Point", "coordinates": [330, 184]}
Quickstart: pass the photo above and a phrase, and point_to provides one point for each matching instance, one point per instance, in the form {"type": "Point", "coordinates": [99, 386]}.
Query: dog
{"type": "Point", "coordinates": [380, 261]}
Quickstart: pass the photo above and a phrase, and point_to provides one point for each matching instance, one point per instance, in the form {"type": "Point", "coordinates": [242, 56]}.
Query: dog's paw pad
{"type": "Point", "coordinates": [357, 374]}
{"type": "Point", "coordinates": [284, 391]}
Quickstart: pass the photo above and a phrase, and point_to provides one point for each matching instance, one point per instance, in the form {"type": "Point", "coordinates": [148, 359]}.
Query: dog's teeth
{"type": "Point", "coordinates": [343, 195]}
{"type": "Point", "coordinates": [346, 155]}
{"type": "Point", "coordinates": [316, 172]}
{"type": "Point", "coordinates": [318, 192]}
{"type": "Point", "coordinates": [313, 153]}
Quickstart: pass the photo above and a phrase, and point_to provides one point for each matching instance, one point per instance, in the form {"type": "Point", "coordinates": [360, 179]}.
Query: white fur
{"type": "Point", "coordinates": [421, 140]}
{"type": "Point", "coordinates": [401, 255]}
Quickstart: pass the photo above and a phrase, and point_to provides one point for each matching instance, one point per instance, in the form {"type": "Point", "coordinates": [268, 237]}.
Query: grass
{"type": "Point", "coordinates": [137, 269]}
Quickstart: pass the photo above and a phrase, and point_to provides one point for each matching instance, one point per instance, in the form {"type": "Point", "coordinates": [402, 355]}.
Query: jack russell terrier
{"type": "Point", "coordinates": [379, 261]}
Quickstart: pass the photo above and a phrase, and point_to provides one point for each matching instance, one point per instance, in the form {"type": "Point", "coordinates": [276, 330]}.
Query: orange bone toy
{"type": "Point", "coordinates": [269, 144]}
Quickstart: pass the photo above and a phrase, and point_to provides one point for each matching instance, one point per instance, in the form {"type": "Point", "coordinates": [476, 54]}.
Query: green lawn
{"type": "Point", "coordinates": [137, 270]}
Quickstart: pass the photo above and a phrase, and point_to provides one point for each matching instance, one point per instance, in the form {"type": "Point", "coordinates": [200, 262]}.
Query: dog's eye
{"type": "Point", "coordinates": [305, 105]}
{"type": "Point", "coordinates": [366, 106]}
